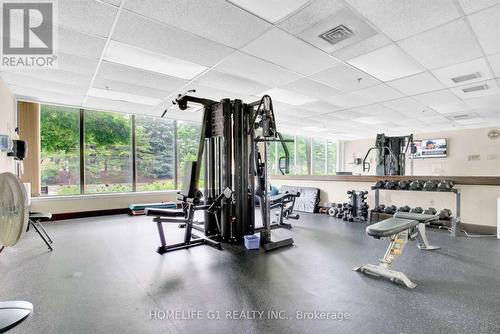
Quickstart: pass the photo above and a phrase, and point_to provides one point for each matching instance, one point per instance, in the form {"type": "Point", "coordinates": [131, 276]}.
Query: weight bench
{"type": "Point", "coordinates": [34, 220]}
{"type": "Point", "coordinates": [285, 202]}
{"type": "Point", "coordinates": [402, 227]}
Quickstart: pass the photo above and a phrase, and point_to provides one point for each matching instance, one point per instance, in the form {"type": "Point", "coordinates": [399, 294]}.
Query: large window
{"type": "Point", "coordinates": [108, 152]}
{"type": "Point", "coordinates": [302, 156]}
{"type": "Point", "coordinates": [331, 157]}
{"type": "Point", "coordinates": [154, 153]}
{"type": "Point", "coordinates": [188, 140]}
{"type": "Point", "coordinates": [319, 156]}
{"type": "Point", "coordinates": [60, 150]}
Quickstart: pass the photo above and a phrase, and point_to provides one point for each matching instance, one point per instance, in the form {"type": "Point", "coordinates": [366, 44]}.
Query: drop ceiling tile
{"type": "Point", "coordinates": [349, 100]}
{"type": "Point", "coordinates": [380, 93]}
{"type": "Point", "coordinates": [313, 13]}
{"type": "Point", "coordinates": [139, 31]}
{"type": "Point", "coordinates": [495, 64]}
{"type": "Point", "coordinates": [75, 15]}
{"type": "Point", "coordinates": [490, 87]}
{"type": "Point", "coordinates": [407, 106]}
{"type": "Point", "coordinates": [138, 77]}
{"type": "Point", "coordinates": [491, 102]}
{"type": "Point", "coordinates": [113, 2]}
{"type": "Point", "coordinates": [119, 86]}
{"type": "Point", "coordinates": [71, 42]}
{"type": "Point", "coordinates": [442, 101]}
{"type": "Point", "coordinates": [59, 76]}
{"type": "Point", "coordinates": [27, 81]}
{"type": "Point", "coordinates": [113, 105]}
{"type": "Point", "coordinates": [298, 112]}
{"type": "Point", "coordinates": [230, 83]}
{"type": "Point", "coordinates": [256, 69]}
{"type": "Point", "coordinates": [477, 66]}
{"type": "Point", "coordinates": [206, 18]}
{"type": "Point", "coordinates": [387, 63]}
{"type": "Point", "coordinates": [377, 110]}
{"type": "Point", "coordinates": [345, 78]}
{"type": "Point", "coordinates": [450, 44]}
{"type": "Point", "coordinates": [279, 107]}
{"type": "Point", "coordinates": [76, 64]}
{"type": "Point", "coordinates": [345, 114]}
{"type": "Point", "coordinates": [289, 97]}
{"type": "Point", "coordinates": [43, 96]}
{"type": "Point", "coordinates": [371, 120]}
{"type": "Point", "coordinates": [285, 50]}
{"type": "Point", "coordinates": [272, 11]}
{"type": "Point", "coordinates": [320, 107]}
{"type": "Point", "coordinates": [362, 30]}
{"type": "Point", "coordinates": [486, 25]}
{"type": "Point", "coordinates": [417, 84]}
{"type": "Point", "coordinates": [470, 6]}
{"type": "Point", "coordinates": [312, 88]}
{"type": "Point", "coordinates": [360, 48]}
{"type": "Point", "coordinates": [399, 19]}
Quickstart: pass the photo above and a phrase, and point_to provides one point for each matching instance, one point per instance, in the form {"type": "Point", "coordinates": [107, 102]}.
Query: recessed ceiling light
{"type": "Point", "coordinates": [289, 97]}
{"type": "Point", "coordinates": [121, 96]}
{"type": "Point", "coordinates": [387, 63]}
{"type": "Point", "coordinates": [151, 61]}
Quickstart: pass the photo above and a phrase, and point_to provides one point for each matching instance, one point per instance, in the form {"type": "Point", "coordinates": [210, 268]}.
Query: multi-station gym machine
{"type": "Point", "coordinates": [233, 153]}
{"type": "Point", "coordinates": [391, 152]}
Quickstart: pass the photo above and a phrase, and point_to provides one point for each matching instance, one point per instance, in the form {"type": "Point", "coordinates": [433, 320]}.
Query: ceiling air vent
{"type": "Point", "coordinates": [475, 88]}
{"type": "Point", "coordinates": [337, 34]}
{"type": "Point", "coordinates": [467, 77]}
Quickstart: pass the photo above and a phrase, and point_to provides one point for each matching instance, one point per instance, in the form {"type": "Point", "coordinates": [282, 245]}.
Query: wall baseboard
{"type": "Point", "coordinates": [86, 214]}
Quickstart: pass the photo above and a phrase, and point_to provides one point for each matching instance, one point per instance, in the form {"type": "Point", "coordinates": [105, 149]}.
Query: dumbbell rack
{"type": "Point", "coordinates": [455, 221]}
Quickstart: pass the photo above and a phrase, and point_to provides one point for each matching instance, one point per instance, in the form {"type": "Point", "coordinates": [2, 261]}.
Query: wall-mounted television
{"type": "Point", "coordinates": [430, 148]}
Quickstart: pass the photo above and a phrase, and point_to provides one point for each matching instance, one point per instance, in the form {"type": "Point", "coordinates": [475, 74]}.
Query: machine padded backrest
{"type": "Point", "coordinates": [188, 185]}
{"type": "Point", "coordinates": [308, 200]}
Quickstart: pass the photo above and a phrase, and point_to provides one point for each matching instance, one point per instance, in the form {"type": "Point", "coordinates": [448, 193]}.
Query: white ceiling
{"type": "Point", "coordinates": [393, 75]}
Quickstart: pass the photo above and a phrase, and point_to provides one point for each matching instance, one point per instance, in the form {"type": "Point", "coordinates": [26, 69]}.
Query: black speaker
{"type": "Point", "coordinates": [19, 149]}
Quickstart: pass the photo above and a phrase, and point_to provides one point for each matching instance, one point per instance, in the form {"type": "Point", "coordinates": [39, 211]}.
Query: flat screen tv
{"type": "Point", "coordinates": [430, 148]}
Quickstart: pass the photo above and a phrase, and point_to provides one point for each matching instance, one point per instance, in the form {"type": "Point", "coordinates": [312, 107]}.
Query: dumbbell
{"type": "Point", "coordinates": [390, 209]}
{"type": "Point", "coordinates": [417, 210]}
{"type": "Point", "coordinates": [445, 214]}
{"type": "Point", "coordinates": [391, 185]}
{"type": "Point", "coordinates": [403, 184]}
{"type": "Point", "coordinates": [430, 211]}
{"type": "Point", "coordinates": [405, 208]}
{"type": "Point", "coordinates": [445, 185]}
{"type": "Point", "coordinates": [333, 211]}
{"type": "Point", "coordinates": [416, 185]}
{"type": "Point", "coordinates": [380, 184]}
{"type": "Point", "coordinates": [430, 185]}
{"type": "Point", "coordinates": [379, 208]}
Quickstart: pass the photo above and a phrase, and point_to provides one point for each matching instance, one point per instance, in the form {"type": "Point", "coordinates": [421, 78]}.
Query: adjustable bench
{"type": "Point", "coordinates": [402, 227]}
{"type": "Point", "coordinates": [285, 202]}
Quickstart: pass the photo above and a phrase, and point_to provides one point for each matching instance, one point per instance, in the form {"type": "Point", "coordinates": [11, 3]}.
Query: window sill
{"type": "Point", "coordinates": [101, 196]}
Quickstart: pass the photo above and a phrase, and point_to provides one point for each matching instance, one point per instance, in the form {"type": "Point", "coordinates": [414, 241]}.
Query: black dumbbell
{"type": "Point", "coordinates": [391, 185]}
{"type": "Point", "coordinates": [380, 184]}
{"type": "Point", "coordinates": [390, 209]}
{"type": "Point", "coordinates": [417, 210]}
{"type": "Point", "coordinates": [405, 208]}
{"type": "Point", "coordinates": [445, 214]}
{"type": "Point", "coordinates": [445, 185]}
{"type": "Point", "coordinates": [403, 184]}
{"type": "Point", "coordinates": [430, 185]}
{"type": "Point", "coordinates": [430, 211]}
{"type": "Point", "coordinates": [416, 185]}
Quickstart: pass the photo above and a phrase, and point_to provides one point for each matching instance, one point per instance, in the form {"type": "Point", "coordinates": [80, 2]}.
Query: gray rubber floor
{"type": "Point", "coordinates": [104, 276]}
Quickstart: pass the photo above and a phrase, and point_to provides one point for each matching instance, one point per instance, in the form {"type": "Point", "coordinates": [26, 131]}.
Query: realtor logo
{"type": "Point", "coordinates": [29, 34]}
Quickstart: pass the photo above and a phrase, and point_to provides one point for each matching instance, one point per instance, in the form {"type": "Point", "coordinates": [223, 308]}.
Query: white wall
{"type": "Point", "coordinates": [7, 124]}
{"type": "Point", "coordinates": [461, 144]}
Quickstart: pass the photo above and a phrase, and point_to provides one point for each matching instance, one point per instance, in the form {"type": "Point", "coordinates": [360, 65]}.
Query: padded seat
{"type": "Point", "coordinates": [164, 212]}
{"type": "Point", "coordinates": [421, 217]}
{"type": "Point", "coordinates": [40, 215]}
{"type": "Point", "coordinates": [277, 198]}
{"type": "Point", "coordinates": [390, 226]}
